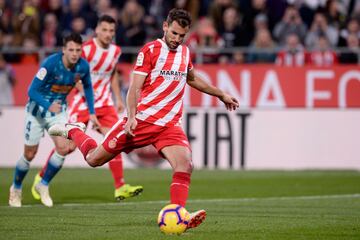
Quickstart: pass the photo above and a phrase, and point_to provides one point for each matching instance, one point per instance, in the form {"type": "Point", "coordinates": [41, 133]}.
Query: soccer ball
{"type": "Point", "coordinates": [173, 219]}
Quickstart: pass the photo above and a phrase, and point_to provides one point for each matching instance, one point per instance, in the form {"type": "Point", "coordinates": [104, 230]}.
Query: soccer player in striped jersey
{"type": "Point", "coordinates": [102, 56]}
{"type": "Point", "coordinates": [154, 109]}
{"type": "Point", "coordinates": [47, 106]}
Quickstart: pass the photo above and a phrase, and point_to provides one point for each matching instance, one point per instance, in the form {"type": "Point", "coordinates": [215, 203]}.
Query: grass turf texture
{"type": "Point", "coordinates": [240, 205]}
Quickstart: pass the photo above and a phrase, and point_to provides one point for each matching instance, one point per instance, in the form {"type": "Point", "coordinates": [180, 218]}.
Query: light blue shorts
{"type": "Point", "coordinates": [35, 126]}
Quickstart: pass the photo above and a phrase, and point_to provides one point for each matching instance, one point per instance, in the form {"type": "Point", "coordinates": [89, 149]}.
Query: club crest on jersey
{"type": "Point", "coordinates": [140, 59]}
{"type": "Point", "coordinates": [112, 143]}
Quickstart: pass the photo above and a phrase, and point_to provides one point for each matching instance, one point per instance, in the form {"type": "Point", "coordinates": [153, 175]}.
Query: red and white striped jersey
{"type": "Point", "coordinates": [102, 64]}
{"type": "Point", "coordinates": [323, 58]}
{"type": "Point", "coordinates": [288, 59]}
{"type": "Point", "coordinates": [161, 100]}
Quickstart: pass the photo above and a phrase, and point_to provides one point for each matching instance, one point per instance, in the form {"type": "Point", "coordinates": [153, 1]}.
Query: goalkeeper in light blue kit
{"type": "Point", "coordinates": [47, 106]}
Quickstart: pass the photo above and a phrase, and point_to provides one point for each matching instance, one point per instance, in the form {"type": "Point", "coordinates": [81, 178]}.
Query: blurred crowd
{"type": "Point", "coordinates": [286, 32]}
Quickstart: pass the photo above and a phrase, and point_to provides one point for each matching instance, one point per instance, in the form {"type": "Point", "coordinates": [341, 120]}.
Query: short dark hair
{"type": "Point", "coordinates": [75, 37]}
{"type": "Point", "coordinates": [181, 16]}
{"type": "Point", "coordinates": [106, 18]}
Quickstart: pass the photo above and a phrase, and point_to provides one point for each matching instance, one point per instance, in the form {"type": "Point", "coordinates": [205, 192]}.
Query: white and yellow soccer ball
{"type": "Point", "coordinates": [173, 219]}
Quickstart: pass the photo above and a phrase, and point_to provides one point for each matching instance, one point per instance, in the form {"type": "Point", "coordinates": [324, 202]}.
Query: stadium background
{"type": "Point", "coordinates": [294, 66]}
{"type": "Point", "coordinates": [299, 111]}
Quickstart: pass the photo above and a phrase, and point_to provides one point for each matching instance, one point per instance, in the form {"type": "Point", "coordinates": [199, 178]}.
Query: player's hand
{"type": "Point", "coordinates": [230, 102]}
{"type": "Point", "coordinates": [130, 126]}
{"type": "Point", "coordinates": [55, 107]}
{"type": "Point", "coordinates": [95, 122]}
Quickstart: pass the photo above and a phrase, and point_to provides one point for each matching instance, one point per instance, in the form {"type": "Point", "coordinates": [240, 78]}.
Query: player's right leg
{"type": "Point", "coordinates": [93, 154]}
{"type": "Point", "coordinates": [21, 169]}
{"type": "Point", "coordinates": [33, 132]}
{"type": "Point", "coordinates": [62, 148]}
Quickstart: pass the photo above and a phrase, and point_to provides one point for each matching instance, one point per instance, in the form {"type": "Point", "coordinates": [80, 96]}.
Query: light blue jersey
{"type": "Point", "coordinates": [54, 81]}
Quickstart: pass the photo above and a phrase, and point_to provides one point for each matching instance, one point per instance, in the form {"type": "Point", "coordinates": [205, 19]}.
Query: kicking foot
{"type": "Point", "coordinates": [62, 129]}
{"type": "Point", "coordinates": [15, 197]}
{"type": "Point", "coordinates": [43, 191]}
{"type": "Point", "coordinates": [34, 193]}
{"type": "Point", "coordinates": [196, 218]}
{"type": "Point", "coordinates": [127, 191]}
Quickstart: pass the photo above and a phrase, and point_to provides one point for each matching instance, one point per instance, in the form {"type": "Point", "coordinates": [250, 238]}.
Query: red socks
{"type": "Point", "coordinates": [116, 167]}
{"type": "Point", "coordinates": [82, 141]}
{"type": "Point", "coordinates": [179, 188]}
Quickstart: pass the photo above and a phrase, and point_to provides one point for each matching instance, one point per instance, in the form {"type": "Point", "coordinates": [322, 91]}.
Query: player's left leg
{"type": "Point", "coordinates": [41, 188]}
{"type": "Point", "coordinates": [176, 149]}
{"type": "Point", "coordinates": [56, 160]}
{"type": "Point", "coordinates": [179, 158]}
{"type": "Point", "coordinates": [53, 158]}
{"type": "Point", "coordinates": [38, 177]}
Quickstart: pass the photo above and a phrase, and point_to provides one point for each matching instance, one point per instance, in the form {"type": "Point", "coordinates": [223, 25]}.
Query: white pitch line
{"type": "Point", "coordinates": [216, 200]}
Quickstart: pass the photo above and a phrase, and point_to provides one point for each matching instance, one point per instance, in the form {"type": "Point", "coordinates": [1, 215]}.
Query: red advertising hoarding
{"type": "Point", "coordinates": [257, 86]}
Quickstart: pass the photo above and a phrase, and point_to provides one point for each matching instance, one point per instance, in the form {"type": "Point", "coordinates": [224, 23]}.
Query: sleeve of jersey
{"type": "Point", "coordinates": [143, 62]}
{"type": "Point", "coordinates": [40, 80]}
{"type": "Point", "coordinates": [190, 65]}
{"type": "Point", "coordinates": [88, 89]}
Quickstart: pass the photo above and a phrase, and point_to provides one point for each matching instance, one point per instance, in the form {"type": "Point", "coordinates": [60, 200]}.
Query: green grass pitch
{"type": "Point", "coordinates": [240, 205]}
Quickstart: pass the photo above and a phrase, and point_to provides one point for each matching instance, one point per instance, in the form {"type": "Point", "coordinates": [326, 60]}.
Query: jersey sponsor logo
{"type": "Point", "coordinates": [41, 74]}
{"type": "Point", "coordinates": [63, 89]}
{"type": "Point", "coordinates": [102, 74]}
{"type": "Point", "coordinates": [140, 59]}
{"type": "Point", "coordinates": [172, 75]}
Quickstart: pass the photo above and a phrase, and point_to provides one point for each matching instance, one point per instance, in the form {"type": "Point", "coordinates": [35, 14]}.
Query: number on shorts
{"type": "Point", "coordinates": [28, 126]}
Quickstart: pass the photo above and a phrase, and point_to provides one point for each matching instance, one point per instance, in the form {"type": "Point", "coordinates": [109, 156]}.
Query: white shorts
{"type": "Point", "coordinates": [35, 126]}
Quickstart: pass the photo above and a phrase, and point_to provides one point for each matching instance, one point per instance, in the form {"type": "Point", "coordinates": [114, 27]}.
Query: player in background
{"type": "Point", "coordinates": [154, 110]}
{"type": "Point", "coordinates": [102, 56]}
{"type": "Point", "coordinates": [47, 105]}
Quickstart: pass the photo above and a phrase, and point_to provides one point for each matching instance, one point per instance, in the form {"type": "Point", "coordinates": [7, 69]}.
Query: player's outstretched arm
{"type": "Point", "coordinates": [196, 82]}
